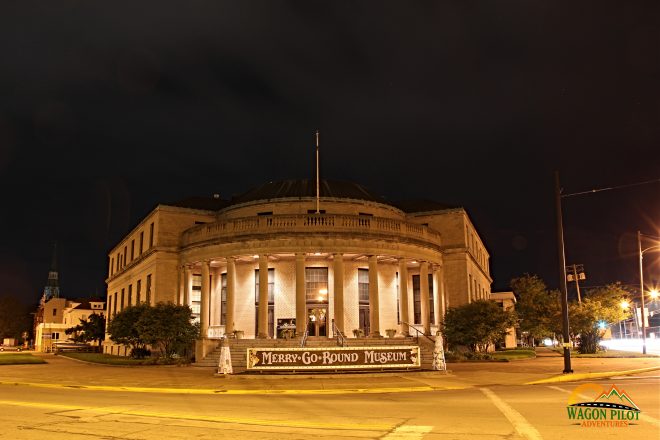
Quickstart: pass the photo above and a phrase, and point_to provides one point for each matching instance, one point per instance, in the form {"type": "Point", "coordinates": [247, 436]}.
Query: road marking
{"type": "Point", "coordinates": [237, 392]}
{"type": "Point", "coordinates": [575, 377]}
{"type": "Point", "coordinates": [199, 417]}
{"type": "Point", "coordinates": [408, 433]}
{"type": "Point", "coordinates": [519, 422]}
{"type": "Point", "coordinates": [642, 415]}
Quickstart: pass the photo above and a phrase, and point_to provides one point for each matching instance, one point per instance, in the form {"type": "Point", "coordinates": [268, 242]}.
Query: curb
{"type": "Point", "coordinates": [581, 376]}
{"type": "Point", "coordinates": [236, 391]}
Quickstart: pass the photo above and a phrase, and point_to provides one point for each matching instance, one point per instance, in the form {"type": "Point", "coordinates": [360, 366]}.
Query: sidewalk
{"type": "Point", "coordinates": [61, 371]}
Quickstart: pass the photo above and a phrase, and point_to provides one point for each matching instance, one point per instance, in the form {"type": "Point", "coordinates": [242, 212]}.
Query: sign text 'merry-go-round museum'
{"type": "Point", "coordinates": [333, 358]}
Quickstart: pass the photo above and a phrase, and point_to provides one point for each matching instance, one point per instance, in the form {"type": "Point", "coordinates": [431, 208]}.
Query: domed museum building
{"type": "Point", "coordinates": [285, 260]}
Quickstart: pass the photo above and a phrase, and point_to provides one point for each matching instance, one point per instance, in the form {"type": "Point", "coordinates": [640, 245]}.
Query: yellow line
{"type": "Point", "coordinates": [581, 376]}
{"type": "Point", "coordinates": [236, 392]}
{"type": "Point", "coordinates": [197, 417]}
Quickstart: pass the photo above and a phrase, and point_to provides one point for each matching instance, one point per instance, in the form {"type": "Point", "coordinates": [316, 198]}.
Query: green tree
{"type": "Point", "coordinates": [89, 330]}
{"type": "Point", "coordinates": [600, 307]}
{"type": "Point", "coordinates": [14, 317]}
{"type": "Point", "coordinates": [168, 328]}
{"type": "Point", "coordinates": [123, 329]}
{"type": "Point", "coordinates": [538, 309]}
{"type": "Point", "coordinates": [477, 325]}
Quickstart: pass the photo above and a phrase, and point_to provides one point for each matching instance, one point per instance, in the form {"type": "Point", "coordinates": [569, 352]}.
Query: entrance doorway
{"type": "Point", "coordinates": [317, 322]}
{"type": "Point", "coordinates": [364, 320]}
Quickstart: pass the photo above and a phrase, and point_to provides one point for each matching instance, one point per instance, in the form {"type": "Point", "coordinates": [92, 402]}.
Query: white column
{"type": "Point", "coordinates": [262, 321]}
{"type": "Point", "coordinates": [424, 296]}
{"type": "Point", "coordinates": [188, 285]}
{"type": "Point", "coordinates": [374, 311]}
{"type": "Point", "coordinates": [301, 301]}
{"type": "Point", "coordinates": [206, 290]}
{"type": "Point", "coordinates": [403, 297]}
{"type": "Point", "coordinates": [231, 293]}
{"type": "Point", "coordinates": [338, 291]}
{"type": "Point", "coordinates": [182, 286]}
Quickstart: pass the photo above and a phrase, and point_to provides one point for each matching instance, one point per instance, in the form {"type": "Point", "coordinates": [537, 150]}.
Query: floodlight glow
{"type": "Point", "coordinates": [654, 294]}
{"type": "Point", "coordinates": [323, 291]}
{"type": "Point", "coordinates": [602, 325]}
{"type": "Point", "coordinates": [624, 304]}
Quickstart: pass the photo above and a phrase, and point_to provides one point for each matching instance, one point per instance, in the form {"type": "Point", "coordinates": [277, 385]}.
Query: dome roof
{"type": "Point", "coordinates": [306, 188]}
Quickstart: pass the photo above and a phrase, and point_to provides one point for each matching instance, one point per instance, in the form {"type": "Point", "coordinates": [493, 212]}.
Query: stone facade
{"type": "Point", "coordinates": [378, 267]}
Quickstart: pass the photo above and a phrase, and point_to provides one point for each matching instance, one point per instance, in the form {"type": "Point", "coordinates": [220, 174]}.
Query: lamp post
{"type": "Point", "coordinates": [641, 284]}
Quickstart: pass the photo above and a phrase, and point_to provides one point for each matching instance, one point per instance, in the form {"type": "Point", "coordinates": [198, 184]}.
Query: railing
{"type": "Point", "coordinates": [341, 339]}
{"type": "Point", "coordinates": [303, 341]}
{"type": "Point", "coordinates": [418, 333]}
{"type": "Point", "coordinates": [234, 228]}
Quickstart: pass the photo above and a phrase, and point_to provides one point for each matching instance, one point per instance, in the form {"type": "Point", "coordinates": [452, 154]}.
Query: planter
{"type": "Point", "coordinates": [238, 334]}
{"type": "Point", "coordinates": [390, 332]}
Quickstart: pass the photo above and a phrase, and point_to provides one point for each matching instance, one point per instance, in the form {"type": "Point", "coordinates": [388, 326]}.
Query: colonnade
{"type": "Point", "coordinates": [186, 272]}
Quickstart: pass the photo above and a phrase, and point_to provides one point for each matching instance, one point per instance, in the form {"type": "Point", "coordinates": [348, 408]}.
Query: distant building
{"type": "Point", "coordinates": [59, 314]}
{"type": "Point", "coordinates": [55, 314]}
{"type": "Point", "coordinates": [507, 301]}
{"type": "Point", "coordinates": [277, 260]}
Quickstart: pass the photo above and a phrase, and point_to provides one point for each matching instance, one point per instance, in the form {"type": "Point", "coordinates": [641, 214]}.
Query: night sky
{"type": "Point", "coordinates": [109, 109]}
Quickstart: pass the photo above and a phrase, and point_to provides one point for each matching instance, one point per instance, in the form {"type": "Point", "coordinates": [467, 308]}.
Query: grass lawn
{"type": "Point", "coordinates": [100, 358]}
{"type": "Point", "coordinates": [19, 358]}
{"type": "Point", "coordinates": [514, 354]}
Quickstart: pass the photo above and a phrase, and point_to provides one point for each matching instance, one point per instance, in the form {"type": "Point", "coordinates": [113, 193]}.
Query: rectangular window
{"type": "Point", "coordinates": [151, 235]}
{"type": "Point", "coordinates": [223, 299]}
{"type": "Point", "coordinates": [316, 284]}
{"type": "Point", "coordinates": [132, 250]}
{"type": "Point", "coordinates": [112, 266]}
{"type": "Point", "coordinates": [114, 305]}
{"type": "Point", "coordinates": [54, 312]}
{"type": "Point", "coordinates": [125, 255]}
{"type": "Point", "coordinates": [130, 294]}
{"type": "Point", "coordinates": [196, 296]}
{"type": "Point", "coordinates": [122, 300]}
{"type": "Point", "coordinates": [363, 286]}
{"type": "Point", "coordinates": [431, 301]}
{"type": "Point", "coordinates": [55, 336]}
{"type": "Point", "coordinates": [271, 286]}
{"type": "Point", "coordinates": [109, 304]}
{"type": "Point", "coordinates": [148, 288]}
{"type": "Point", "coordinates": [141, 241]}
{"type": "Point", "coordinates": [417, 299]}
{"type": "Point", "coordinates": [138, 290]}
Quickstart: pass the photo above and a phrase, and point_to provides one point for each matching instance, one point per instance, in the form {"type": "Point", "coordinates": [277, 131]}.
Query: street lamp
{"type": "Point", "coordinates": [641, 283]}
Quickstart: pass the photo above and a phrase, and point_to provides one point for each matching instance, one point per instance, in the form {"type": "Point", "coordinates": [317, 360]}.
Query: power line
{"type": "Point", "coordinates": [610, 188]}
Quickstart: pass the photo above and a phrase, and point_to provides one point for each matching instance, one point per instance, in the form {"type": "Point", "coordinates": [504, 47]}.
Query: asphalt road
{"type": "Point", "coordinates": [488, 412]}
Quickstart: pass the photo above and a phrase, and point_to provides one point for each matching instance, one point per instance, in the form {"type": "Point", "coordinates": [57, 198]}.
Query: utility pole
{"type": "Point", "coordinates": [576, 275]}
{"type": "Point", "coordinates": [562, 278]}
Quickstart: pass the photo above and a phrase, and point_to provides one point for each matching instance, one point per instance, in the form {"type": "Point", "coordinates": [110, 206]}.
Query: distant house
{"type": "Point", "coordinates": [56, 315]}
{"type": "Point", "coordinates": [507, 301]}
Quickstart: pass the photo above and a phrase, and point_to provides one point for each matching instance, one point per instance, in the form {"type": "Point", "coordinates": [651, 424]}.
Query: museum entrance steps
{"type": "Point", "coordinates": [238, 348]}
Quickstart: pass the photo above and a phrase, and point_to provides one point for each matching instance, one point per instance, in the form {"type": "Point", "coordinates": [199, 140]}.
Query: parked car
{"type": "Point", "coordinates": [10, 348]}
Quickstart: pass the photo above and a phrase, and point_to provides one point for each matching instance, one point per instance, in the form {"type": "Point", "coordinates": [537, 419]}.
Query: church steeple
{"type": "Point", "coordinates": [52, 289]}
